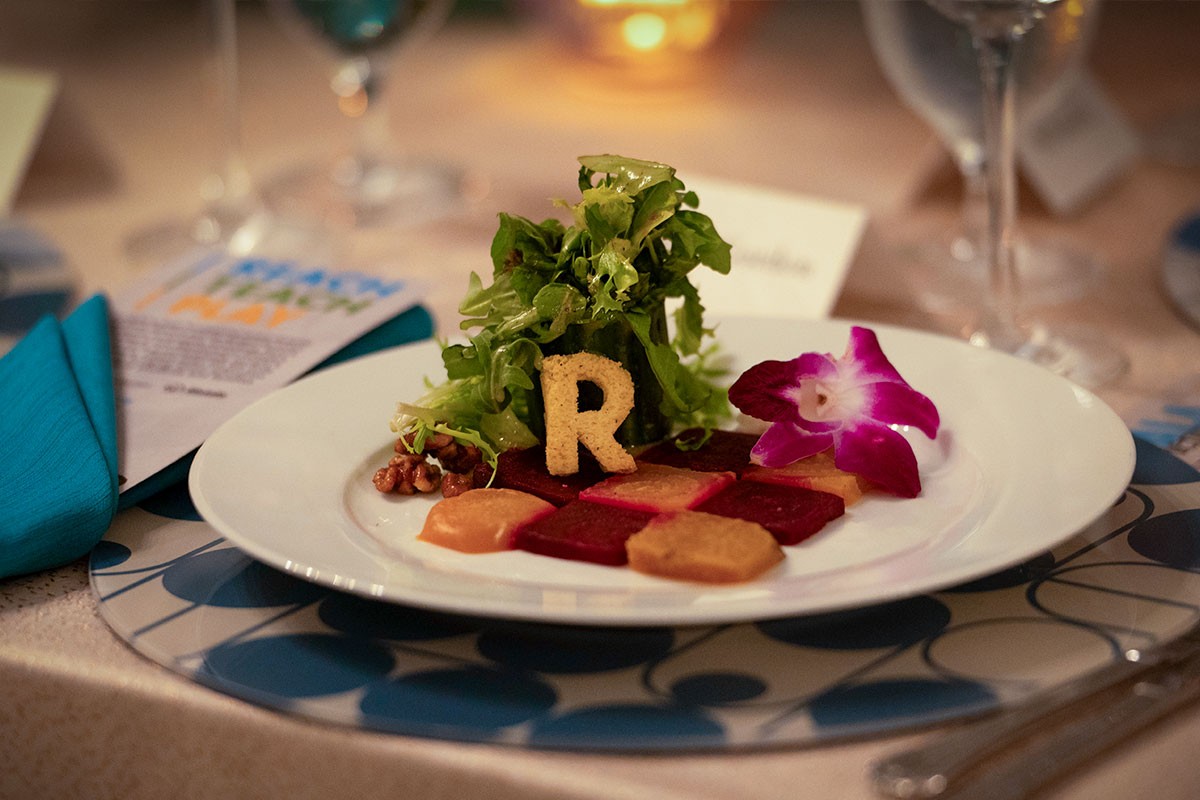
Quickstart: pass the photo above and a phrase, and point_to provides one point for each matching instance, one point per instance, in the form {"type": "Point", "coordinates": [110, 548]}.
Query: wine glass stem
{"type": "Point", "coordinates": [967, 246]}
{"type": "Point", "coordinates": [374, 136]}
{"type": "Point", "coordinates": [229, 195]}
{"type": "Point", "coordinates": [999, 127]}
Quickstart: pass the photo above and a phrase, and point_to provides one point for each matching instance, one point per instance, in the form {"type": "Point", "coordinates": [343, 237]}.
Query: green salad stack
{"type": "Point", "coordinates": [601, 284]}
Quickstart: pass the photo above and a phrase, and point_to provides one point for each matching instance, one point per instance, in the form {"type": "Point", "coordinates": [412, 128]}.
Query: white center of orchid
{"type": "Point", "coordinates": [817, 401]}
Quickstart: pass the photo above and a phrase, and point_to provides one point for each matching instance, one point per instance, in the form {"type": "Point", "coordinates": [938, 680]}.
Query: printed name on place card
{"type": "Point", "coordinates": [791, 252]}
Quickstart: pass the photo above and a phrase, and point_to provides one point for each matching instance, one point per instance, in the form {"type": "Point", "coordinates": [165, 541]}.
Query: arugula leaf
{"type": "Point", "coordinates": [689, 321]}
{"type": "Point", "coordinates": [713, 251]}
{"type": "Point", "coordinates": [681, 388]}
{"type": "Point", "coordinates": [605, 211]}
{"type": "Point", "coordinates": [561, 304]}
{"type": "Point", "coordinates": [634, 237]}
{"type": "Point", "coordinates": [659, 205]}
{"type": "Point", "coordinates": [630, 175]}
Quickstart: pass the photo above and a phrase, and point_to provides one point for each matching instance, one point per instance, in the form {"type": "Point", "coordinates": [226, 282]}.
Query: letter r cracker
{"type": "Point", "coordinates": [566, 425]}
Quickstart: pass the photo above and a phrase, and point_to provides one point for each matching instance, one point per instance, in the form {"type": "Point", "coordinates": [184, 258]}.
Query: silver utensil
{"type": "Point", "coordinates": [1011, 754]}
{"type": "Point", "coordinates": [1187, 446]}
{"type": "Point", "coordinates": [1052, 732]}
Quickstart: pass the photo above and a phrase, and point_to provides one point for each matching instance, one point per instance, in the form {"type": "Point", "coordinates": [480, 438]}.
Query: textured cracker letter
{"type": "Point", "coordinates": [566, 424]}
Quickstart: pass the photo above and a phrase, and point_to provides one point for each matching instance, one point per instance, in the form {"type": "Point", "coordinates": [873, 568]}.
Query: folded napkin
{"type": "Point", "coordinates": [58, 435]}
{"type": "Point", "coordinates": [58, 441]}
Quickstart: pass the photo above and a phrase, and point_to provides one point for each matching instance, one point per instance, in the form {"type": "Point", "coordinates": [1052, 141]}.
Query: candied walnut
{"type": "Point", "coordinates": [456, 483]}
{"type": "Point", "coordinates": [385, 479]}
{"type": "Point", "coordinates": [426, 477]}
{"type": "Point", "coordinates": [406, 461]}
{"type": "Point", "coordinates": [437, 441]}
{"type": "Point", "coordinates": [409, 472]}
{"type": "Point", "coordinates": [393, 478]}
{"type": "Point", "coordinates": [448, 455]}
{"type": "Point", "coordinates": [458, 457]}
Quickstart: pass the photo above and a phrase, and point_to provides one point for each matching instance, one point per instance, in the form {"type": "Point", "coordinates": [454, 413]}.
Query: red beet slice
{"type": "Point", "coordinates": [790, 513]}
{"type": "Point", "coordinates": [525, 470]}
{"type": "Point", "coordinates": [583, 531]}
{"type": "Point", "coordinates": [725, 451]}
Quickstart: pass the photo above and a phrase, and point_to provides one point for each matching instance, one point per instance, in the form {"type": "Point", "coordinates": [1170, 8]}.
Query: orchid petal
{"type": "Point", "coordinates": [767, 391]}
{"type": "Point", "coordinates": [880, 454]}
{"type": "Point", "coordinates": [783, 443]}
{"type": "Point", "coordinates": [815, 365]}
{"type": "Point", "coordinates": [865, 358]}
{"type": "Point", "coordinates": [900, 404]}
{"type": "Point", "coordinates": [764, 391]}
{"type": "Point", "coordinates": [809, 426]}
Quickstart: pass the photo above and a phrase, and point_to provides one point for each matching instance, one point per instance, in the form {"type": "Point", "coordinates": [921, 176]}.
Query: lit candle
{"type": "Point", "coordinates": [644, 30]}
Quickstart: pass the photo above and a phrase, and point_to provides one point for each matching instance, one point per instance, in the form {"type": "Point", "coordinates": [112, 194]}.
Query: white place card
{"type": "Point", "coordinates": [200, 339]}
{"type": "Point", "coordinates": [26, 98]}
{"type": "Point", "coordinates": [1070, 152]}
{"type": "Point", "coordinates": [791, 252]}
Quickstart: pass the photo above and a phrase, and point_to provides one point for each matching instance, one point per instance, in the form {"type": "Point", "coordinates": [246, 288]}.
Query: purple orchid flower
{"type": "Point", "coordinates": [816, 401]}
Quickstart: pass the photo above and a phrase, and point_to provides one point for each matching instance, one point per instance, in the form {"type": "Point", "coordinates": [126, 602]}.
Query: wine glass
{"type": "Point", "coordinates": [374, 184]}
{"type": "Point", "coordinates": [931, 63]}
{"type": "Point", "coordinates": [998, 29]}
{"type": "Point", "coordinates": [233, 216]}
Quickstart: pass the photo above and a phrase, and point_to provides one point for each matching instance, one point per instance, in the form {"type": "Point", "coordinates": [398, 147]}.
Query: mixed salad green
{"type": "Point", "coordinates": [600, 284]}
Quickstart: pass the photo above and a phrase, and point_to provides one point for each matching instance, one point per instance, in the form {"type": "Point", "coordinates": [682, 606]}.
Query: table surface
{"type": "Point", "coordinates": [795, 102]}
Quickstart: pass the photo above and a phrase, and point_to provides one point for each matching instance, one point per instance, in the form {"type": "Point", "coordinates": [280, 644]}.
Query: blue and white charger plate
{"type": "Point", "coordinates": [183, 596]}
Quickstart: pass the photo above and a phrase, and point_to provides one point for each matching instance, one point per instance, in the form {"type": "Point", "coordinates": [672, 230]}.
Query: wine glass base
{"type": "Point", "coordinates": [950, 275]}
{"type": "Point", "coordinates": [1082, 356]}
{"type": "Point", "coordinates": [348, 194]}
{"type": "Point", "coordinates": [257, 233]}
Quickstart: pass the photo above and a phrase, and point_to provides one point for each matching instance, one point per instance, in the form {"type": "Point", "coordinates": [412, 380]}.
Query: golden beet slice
{"type": "Point", "coordinates": [657, 487]}
{"type": "Point", "coordinates": [695, 546]}
{"type": "Point", "coordinates": [481, 520]}
{"type": "Point", "coordinates": [815, 472]}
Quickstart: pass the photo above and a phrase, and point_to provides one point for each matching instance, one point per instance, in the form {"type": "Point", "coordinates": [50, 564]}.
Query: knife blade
{"type": "Point", "coordinates": [1019, 748]}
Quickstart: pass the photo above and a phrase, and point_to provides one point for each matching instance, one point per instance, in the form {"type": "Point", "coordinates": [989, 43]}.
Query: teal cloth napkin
{"type": "Point", "coordinates": [58, 435]}
{"type": "Point", "coordinates": [58, 441]}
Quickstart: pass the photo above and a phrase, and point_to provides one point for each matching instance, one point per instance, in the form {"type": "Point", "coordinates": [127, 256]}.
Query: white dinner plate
{"type": "Point", "coordinates": [1023, 460]}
